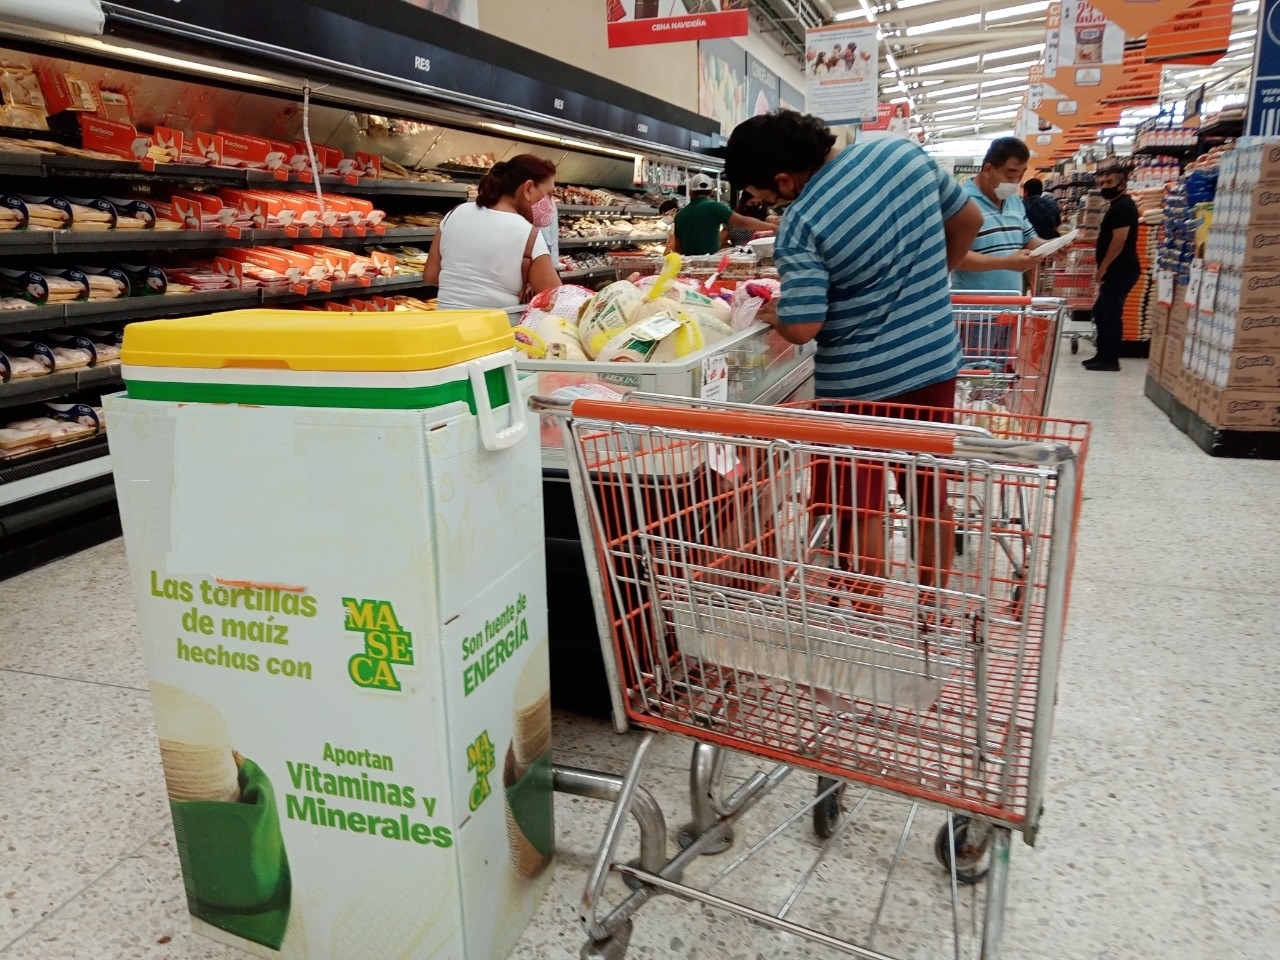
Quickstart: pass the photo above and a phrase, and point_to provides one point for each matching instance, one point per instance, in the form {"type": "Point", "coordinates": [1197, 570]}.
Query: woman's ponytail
{"type": "Point", "coordinates": [505, 177]}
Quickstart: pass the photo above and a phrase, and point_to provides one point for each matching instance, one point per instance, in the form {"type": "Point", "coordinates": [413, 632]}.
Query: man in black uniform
{"type": "Point", "coordinates": [1118, 268]}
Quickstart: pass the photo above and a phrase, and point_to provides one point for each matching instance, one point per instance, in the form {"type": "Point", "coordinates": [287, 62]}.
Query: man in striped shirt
{"type": "Point", "coordinates": [864, 251]}
{"type": "Point", "coordinates": [1001, 252]}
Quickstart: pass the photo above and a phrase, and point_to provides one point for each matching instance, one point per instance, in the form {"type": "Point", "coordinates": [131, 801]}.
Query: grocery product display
{"type": "Point", "coordinates": [1214, 371]}
{"type": "Point", "coordinates": [112, 212]}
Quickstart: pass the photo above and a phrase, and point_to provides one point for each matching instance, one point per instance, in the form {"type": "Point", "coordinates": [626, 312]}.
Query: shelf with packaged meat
{"type": "Point", "coordinates": [59, 384]}
{"type": "Point", "coordinates": [54, 242]}
{"type": "Point", "coordinates": [127, 309]}
{"type": "Point", "coordinates": [48, 165]}
{"type": "Point", "coordinates": [576, 243]}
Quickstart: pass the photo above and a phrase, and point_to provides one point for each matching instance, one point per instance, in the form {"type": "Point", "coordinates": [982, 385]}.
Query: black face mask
{"type": "Point", "coordinates": [1110, 193]}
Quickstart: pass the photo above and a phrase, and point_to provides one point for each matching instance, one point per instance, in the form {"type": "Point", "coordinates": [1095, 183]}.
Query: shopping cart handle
{"type": "Point", "coordinates": [985, 300]}
{"type": "Point", "coordinates": [764, 425]}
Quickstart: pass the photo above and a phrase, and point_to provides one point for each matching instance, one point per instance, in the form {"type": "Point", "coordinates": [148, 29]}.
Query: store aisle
{"type": "Point", "coordinates": [1159, 839]}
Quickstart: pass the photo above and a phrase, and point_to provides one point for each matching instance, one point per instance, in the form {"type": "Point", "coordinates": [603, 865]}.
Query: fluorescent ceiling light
{"type": "Point", "coordinates": [939, 25]}
{"type": "Point", "coordinates": [1016, 51]}
{"type": "Point", "coordinates": [1007, 67]}
{"type": "Point", "coordinates": [947, 64]}
{"type": "Point", "coordinates": [851, 15]}
{"type": "Point", "coordinates": [963, 99]}
{"type": "Point", "coordinates": [1040, 6]}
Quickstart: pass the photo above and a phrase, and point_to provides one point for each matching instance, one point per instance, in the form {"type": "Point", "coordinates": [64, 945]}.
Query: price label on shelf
{"type": "Point", "coordinates": [1192, 296]}
{"type": "Point", "coordinates": [715, 378]}
{"type": "Point", "coordinates": [1164, 288]}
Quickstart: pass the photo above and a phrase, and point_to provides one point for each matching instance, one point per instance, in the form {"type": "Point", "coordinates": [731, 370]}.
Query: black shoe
{"type": "Point", "coordinates": [1096, 364]}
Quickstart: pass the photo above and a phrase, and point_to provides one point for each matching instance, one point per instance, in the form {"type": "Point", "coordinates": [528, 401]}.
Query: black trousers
{"type": "Point", "coordinates": [1108, 310]}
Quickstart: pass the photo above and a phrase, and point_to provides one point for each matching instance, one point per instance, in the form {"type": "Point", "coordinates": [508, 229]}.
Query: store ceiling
{"type": "Point", "coordinates": [964, 63]}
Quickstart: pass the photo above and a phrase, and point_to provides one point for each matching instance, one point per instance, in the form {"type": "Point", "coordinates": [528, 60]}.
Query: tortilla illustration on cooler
{"type": "Point", "coordinates": [225, 822]}
{"type": "Point", "coordinates": [526, 774]}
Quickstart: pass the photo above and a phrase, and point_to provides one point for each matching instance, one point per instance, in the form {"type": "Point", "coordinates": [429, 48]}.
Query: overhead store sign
{"type": "Point", "coordinates": [384, 42]}
{"type": "Point", "coordinates": [722, 83]}
{"type": "Point", "coordinates": [842, 70]}
{"type": "Point", "coordinates": [1084, 59]}
{"type": "Point", "coordinates": [1198, 36]}
{"type": "Point", "coordinates": [789, 98]}
{"type": "Point", "coordinates": [635, 23]}
{"type": "Point", "coordinates": [1139, 17]}
{"type": "Point", "coordinates": [1264, 95]}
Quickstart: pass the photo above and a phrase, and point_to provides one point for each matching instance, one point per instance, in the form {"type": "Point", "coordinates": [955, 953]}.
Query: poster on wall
{"type": "Point", "coordinates": [762, 88]}
{"type": "Point", "coordinates": [464, 11]}
{"type": "Point", "coordinates": [722, 83]}
{"type": "Point", "coordinates": [789, 98]}
{"type": "Point", "coordinates": [634, 23]}
{"type": "Point", "coordinates": [842, 71]}
{"type": "Point", "coordinates": [892, 120]}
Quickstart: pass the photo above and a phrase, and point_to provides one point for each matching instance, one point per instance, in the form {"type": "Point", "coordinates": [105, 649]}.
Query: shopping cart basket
{"type": "Point", "coordinates": [737, 615]}
{"type": "Point", "coordinates": [1071, 277]}
{"type": "Point", "coordinates": [1009, 360]}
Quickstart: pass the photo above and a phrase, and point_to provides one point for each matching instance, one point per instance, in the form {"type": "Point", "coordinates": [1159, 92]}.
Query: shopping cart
{"type": "Point", "coordinates": [1009, 360]}
{"type": "Point", "coordinates": [756, 602]}
{"type": "Point", "coordinates": [1070, 276]}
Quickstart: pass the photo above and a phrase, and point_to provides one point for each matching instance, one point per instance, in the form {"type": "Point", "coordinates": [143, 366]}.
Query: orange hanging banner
{"type": "Point", "coordinates": [1198, 36]}
{"type": "Point", "coordinates": [1084, 59]}
{"type": "Point", "coordinates": [1139, 17]}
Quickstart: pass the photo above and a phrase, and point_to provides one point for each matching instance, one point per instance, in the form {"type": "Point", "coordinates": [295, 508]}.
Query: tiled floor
{"type": "Point", "coordinates": [1159, 841]}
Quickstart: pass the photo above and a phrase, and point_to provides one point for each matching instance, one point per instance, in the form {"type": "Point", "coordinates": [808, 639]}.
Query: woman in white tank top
{"type": "Point", "coordinates": [490, 253]}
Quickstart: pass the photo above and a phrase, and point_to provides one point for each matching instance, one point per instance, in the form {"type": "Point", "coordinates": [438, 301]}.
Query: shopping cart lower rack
{"type": "Point", "coordinates": [763, 594]}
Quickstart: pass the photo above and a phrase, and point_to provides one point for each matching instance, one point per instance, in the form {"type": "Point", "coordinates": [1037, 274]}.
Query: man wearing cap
{"type": "Point", "coordinates": [698, 225]}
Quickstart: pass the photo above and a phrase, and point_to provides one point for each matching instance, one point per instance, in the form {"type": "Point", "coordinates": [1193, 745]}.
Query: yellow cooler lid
{"type": "Point", "coordinates": [311, 340]}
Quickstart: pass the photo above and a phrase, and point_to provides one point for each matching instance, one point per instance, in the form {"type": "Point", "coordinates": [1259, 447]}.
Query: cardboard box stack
{"type": "Point", "coordinates": [1229, 361]}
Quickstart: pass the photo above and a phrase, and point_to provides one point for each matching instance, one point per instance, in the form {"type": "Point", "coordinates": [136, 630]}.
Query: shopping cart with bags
{"type": "Point", "coordinates": [761, 594]}
{"type": "Point", "coordinates": [1009, 356]}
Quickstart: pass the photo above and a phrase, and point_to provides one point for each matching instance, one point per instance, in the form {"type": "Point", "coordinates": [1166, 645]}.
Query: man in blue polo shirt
{"type": "Point", "coordinates": [1001, 251]}
{"type": "Point", "coordinates": [863, 250]}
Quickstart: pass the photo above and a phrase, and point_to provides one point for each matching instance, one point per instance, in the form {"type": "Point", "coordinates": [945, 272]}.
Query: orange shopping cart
{"type": "Point", "coordinates": [1009, 356]}
{"type": "Point", "coordinates": [739, 610]}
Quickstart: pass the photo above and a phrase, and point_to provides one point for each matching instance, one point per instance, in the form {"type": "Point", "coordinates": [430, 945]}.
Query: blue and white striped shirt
{"type": "Point", "coordinates": [1005, 230]}
{"type": "Point", "coordinates": [863, 250]}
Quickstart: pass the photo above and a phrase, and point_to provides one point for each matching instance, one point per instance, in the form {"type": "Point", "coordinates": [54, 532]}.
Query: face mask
{"type": "Point", "coordinates": [544, 213]}
{"type": "Point", "coordinates": [1006, 190]}
{"type": "Point", "coordinates": [1110, 193]}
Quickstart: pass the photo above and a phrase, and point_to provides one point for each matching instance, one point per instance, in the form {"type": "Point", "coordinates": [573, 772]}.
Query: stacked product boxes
{"type": "Point", "coordinates": [1220, 350]}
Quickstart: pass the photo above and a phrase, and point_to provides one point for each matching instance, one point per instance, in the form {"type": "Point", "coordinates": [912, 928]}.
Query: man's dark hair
{"type": "Point", "coordinates": [668, 205]}
{"type": "Point", "coordinates": [1005, 149]}
{"type": "Point", "coordinates": [783, 142]}
{"type": "Point", "coordinates": [1033, 187]}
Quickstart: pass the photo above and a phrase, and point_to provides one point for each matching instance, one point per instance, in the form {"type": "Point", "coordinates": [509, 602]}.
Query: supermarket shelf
{"type": "Point", "coordinates": [52, 242]}
{"type": "Point", "coordinates": [578, 243]}
{"type": "Point", "coordinates": [1215, 441]}
{"type": "Point", "coordinates": [629, 210]}
{"type": "Point", "coordinates": [591, 273]}
{"type": "Point", "coordinates": [1222, 130]}
{"type": "Point", "coordinates": [1179, 151]}
{"type": "Point", "coordinates": [53, 469]}
{"type": "Point", "coordinates": [174, 305]}
{"type": "Point", "coordinates": [394, 285]}
{"type": "Point", "coordinates": [32, 165]}
{"type": "Point", "coordinates": [58, 385]}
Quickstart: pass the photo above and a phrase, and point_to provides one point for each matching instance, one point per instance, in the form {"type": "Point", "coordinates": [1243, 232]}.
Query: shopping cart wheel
{"type": "Point", "coordinates": [967, 858]}
{"type": "Point", "coordinates": [827, 812]}
{"type": "Point", "coordinates": [1075, 344]}
{"type": "Point", "coordinates": [959, 543]}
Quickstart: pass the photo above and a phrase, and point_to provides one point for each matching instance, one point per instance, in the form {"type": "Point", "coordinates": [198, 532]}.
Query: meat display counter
{"type": "Point", "coordinates": [754, 366]}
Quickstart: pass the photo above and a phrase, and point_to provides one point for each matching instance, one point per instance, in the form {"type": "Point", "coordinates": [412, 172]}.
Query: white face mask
{"type": "Point", "coordinates": [1006, 190]}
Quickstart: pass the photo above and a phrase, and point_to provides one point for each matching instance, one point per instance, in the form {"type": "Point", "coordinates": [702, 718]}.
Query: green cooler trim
{"type": "Point", "coordinates": [361, 398]}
